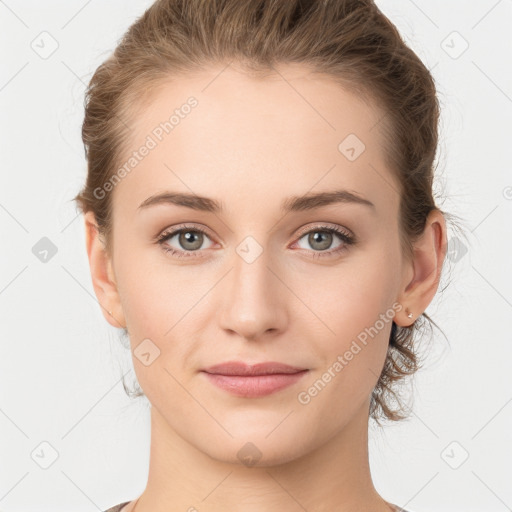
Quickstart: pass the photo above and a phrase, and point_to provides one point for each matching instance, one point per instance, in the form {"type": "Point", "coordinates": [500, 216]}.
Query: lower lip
{"type": "Point", "coordinates": [255, 385]}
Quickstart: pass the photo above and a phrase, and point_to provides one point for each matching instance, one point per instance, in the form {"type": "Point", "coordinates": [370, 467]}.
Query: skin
{"type": "Point", "coordinates": [251, 143]}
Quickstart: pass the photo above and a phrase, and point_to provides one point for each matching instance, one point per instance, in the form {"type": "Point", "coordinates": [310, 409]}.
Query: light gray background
{"type": "Point", "coordinates": [61, 362]}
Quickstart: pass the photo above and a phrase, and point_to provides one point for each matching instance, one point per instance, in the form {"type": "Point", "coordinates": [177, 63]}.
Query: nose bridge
{"type": "Point", "coordinates": [252, 304]}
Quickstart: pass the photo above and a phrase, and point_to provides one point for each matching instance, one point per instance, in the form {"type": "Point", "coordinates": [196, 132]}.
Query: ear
{"type": "Point", "coordinates": [428, 256]}
{"type": "Point", "coordinates": [102, 274]}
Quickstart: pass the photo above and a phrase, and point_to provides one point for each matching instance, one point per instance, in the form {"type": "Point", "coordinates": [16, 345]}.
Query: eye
{"type": "Point", "coordinates": [189, 238]}
{"type": "Point", "coordinates": [321, 238]}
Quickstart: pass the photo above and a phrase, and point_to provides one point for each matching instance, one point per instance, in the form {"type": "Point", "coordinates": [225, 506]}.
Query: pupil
{"type": "Point", "coordinates": [189, 236]}
{"type": "Point", "coordinates": [321, 237]}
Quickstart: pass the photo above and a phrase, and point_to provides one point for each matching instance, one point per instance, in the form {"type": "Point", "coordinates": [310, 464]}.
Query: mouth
{"type": "Point", "coordinates": [251, 381]}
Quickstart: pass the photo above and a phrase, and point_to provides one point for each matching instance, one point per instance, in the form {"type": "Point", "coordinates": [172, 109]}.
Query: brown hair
{"type": "Point", "coordinates": [351, 41]}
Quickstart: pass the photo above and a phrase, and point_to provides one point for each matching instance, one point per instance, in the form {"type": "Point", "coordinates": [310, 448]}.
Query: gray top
{"type": "Point", "coordinates": [118, 508]}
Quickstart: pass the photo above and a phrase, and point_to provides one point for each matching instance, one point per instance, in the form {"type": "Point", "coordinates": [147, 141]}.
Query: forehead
{"type": "Point", "coordinates": [222, 133]}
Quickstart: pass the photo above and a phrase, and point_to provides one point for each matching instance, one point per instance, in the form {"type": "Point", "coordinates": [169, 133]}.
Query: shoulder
{"type": "Point", "coordinates": [117, 508]}
{"type": "Point", "coordinates": [397, 508]}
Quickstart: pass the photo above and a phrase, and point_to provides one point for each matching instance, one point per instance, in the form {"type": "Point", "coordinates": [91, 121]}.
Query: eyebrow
{"type": "Point", "coordinates": [291, 204]}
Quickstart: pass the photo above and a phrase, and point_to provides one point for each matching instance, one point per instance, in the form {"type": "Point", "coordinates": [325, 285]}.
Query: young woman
{"type": "Point", "coordinates": [260, 221]}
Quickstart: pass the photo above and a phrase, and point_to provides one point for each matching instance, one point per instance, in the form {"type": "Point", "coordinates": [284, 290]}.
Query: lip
{"type": "Point", "coordinates": [251, 381]}
{"type": "Point", "coordinates": [240, 368]}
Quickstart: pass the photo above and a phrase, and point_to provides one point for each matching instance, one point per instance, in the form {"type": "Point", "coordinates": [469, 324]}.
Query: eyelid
{"type": "Point", "coordinates": [173, 230]}
{"type": "Point", "coordinates": [326, 225]}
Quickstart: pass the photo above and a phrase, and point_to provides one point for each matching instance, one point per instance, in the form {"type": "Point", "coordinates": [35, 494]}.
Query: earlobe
{"type": "Point", "coordinates": [429, 253]}
{"type": "Point", "coordinates": [102, 275]}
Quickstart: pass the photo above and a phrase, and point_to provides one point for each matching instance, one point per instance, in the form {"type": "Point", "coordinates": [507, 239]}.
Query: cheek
{"type": "Point", "coordinates": [355, 294]}
{"type": "Point", "coordinates": [155, 294]}
{"type": "Point", "coordinates": [160, 304]}
{"type": "Point", "coordinates": [357, 306]}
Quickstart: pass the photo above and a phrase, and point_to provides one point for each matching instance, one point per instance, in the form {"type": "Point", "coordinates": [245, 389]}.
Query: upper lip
{"type": "Point", "coordinates": [241, 368]}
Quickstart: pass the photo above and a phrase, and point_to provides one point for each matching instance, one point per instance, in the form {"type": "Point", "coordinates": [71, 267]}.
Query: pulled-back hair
{"type": "Point", "coordinates": [350, 41]}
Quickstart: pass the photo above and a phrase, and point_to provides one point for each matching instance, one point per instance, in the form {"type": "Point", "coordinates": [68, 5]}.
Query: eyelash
{"type": "Point", "coordinates": [346, 238]}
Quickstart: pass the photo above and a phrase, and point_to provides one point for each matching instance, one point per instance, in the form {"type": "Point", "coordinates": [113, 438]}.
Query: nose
{"type": "Point", "coordinates": [254, 298]}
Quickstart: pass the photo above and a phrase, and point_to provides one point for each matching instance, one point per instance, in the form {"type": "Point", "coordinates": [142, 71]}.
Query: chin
{"type": "Point", "coordinates": [256, 448]}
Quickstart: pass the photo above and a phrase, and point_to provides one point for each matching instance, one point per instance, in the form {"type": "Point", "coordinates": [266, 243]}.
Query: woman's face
{"type": "Point", "coordinates": [266, 280]}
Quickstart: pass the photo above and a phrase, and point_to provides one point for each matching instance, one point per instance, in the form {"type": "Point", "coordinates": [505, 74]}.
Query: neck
{"type": "Point", "coordinates": [334, 476]}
